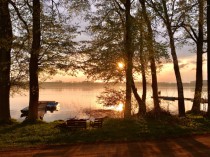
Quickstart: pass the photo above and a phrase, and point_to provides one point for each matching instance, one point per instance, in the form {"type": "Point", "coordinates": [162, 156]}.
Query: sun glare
{"type": "Point", "coordinates": [120, 65]}
{"type": "Point", "coordinates": [119, 107]}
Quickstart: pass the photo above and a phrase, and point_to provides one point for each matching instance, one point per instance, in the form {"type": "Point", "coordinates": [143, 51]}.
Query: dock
{"type": "Point", "coordinates": [203, 101]}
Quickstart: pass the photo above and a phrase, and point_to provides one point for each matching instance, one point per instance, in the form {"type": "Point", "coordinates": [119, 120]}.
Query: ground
{"type": "Point", "coordinates": [194, 146]}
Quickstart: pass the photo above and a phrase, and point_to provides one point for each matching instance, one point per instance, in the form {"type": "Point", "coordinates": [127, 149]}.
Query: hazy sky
{"type": "Point", "coordinates": [187, 67]}
{"type": "Point", "coordinates": [187, 63]}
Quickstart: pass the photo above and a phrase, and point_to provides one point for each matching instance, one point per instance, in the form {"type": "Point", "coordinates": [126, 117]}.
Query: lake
{"type": "Point", "coordinates": [74, 100]}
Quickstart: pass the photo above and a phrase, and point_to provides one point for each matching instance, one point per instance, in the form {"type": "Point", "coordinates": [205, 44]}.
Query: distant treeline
{"type": "Point", "coordinates": [90, 83]}
{"type": "Point", "coordinates": [192, 83]}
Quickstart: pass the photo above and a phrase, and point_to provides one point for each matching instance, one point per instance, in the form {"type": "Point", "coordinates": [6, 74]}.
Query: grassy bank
{"type": "Point", "coordinates": [41, 133]}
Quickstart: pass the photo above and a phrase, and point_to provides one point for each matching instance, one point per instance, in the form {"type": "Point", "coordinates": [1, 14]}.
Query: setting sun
{"type": "Point", "coordinates": [119, 107]}
{"type": "Point", "coordinates": [121, 65]}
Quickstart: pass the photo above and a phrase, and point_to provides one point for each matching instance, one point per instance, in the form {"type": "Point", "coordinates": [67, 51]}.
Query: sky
{"type": "Point", "coordinates": [187, 66]}
{"type": "Point", "coordinates": [186, 57]}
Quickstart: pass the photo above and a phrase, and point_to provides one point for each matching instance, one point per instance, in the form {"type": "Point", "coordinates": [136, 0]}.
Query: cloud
{"type": "Point", "coordinates": [193, 62]}
{"type": "Point", "coordinates": [183, 65]}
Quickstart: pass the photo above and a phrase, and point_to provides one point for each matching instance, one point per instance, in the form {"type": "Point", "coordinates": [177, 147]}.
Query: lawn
{"type": "Point", "coordinates": [113, 130]}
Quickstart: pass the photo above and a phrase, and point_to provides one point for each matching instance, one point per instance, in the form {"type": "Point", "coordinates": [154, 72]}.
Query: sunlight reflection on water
{"type": "Point", "coordinates": [74, 100]}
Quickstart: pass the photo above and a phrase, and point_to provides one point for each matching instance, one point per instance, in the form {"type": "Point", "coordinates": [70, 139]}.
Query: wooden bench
{"type": "Point", "coordinates": [97, 123]}
{"type": "Point", "coordinates": [76, 123]}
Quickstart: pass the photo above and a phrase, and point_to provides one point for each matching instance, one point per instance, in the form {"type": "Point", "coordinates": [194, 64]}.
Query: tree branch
{"type": "Point", "coordinates": [122, 9]}
{"type": "Point", "coordinates": [192, 36]}
{"type": "Point", "coordinates": [19, 15]}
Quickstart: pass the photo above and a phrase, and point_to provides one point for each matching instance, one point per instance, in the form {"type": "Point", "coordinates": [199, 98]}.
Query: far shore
{"type": "Point", "coordinates": [95, 84]}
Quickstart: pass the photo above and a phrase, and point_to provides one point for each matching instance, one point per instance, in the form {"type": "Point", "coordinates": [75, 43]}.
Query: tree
{"type": "Point", "coordinates": [21, 41]}
{"type": "Point", "coordinates": [143, 66]}
{"type": "Point", "coordinates": [111, 30]}
{"type": "Point", "coordinates": [111, 97]}
{"type": "Point", "coordinates": [171, 19]}
{"type": "Point", "coordinates": [208, 53]}
{"type": "Point", "coordinates": [140, 101]}
{"type": "Point", "coordinates": [147, 52]}
{"type": "Point", "coordinates": [140, 64]}
{"type": "Point", "coordinates": [151, 51]}
{"type": "Point", "coordinates": [107, 47]}
{"type": "Point", "coordinates": [128, 57]}
{"type": "Point", "coordinates": [105, 50]}
{"type": "Point", "coordinates": [198, 38]}
{"type": "Point", "coordinates": [5, 60]}
{"type": "Point", "coordinates": [33, 64]}
{"type": "Point", "coordinates": [55, 47]}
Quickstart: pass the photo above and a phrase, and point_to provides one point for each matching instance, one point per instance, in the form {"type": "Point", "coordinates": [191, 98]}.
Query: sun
{"type": "Point", "coordinates": [121, 65]}
{"type": "Point", "coordinates": [119, 107]}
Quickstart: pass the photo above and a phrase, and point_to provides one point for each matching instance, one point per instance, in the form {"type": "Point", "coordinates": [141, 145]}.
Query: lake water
{"type": "Point", "coordinates": [75, 100]}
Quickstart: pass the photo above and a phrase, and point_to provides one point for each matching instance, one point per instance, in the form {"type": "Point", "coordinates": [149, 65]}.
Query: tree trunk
{"type": "Point", "coordinates": [129, 57]}
{"type": "Point", "coordinates": [154, 85]}
{"type": "Point", "coordinates": [143, 72]}
{"type": "Point", "coordinates": [151, 57]}
{"type": "Point", "coordinates": [33, 65]}
{"type": "Point", "coordinates": [144, 86]}
{"type": "Point", "coordinates": [5, 60]}
{"type": "Point", "coordinates": [142, 105]}
{"type": "Point", "coordinates": [199, 63]}
{"type": "Point", "coordinates": [208, 55]}
{"type": "Point", "coordinates": [141, 102]}
{"type": "Point", "coordinates": [181, 104]}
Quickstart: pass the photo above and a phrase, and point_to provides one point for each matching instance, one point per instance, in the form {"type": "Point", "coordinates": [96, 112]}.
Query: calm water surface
{"type": "Point", "coordinates": [75, 100]}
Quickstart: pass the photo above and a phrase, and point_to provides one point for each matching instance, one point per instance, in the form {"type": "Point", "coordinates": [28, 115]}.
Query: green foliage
{"type": "Point", "coordinates": [57, 45]}
{"type": "Point", "coordinates": [106, 47]}
{"type": "Point", "coordinates": [30, 134]}
{"type": "Point", "coordinates": [111, 97]}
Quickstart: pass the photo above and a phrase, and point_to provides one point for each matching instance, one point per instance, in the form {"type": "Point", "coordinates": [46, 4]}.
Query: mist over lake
{"type": "Point", "coordinates": [75, 99]}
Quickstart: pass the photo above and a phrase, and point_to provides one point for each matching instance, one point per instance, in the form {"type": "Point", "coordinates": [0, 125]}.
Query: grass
{"type": "Point", "coordinates": [113, 130]}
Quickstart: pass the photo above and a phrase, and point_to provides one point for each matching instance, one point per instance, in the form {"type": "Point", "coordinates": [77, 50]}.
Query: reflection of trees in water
{"type": "Point", "coordinates": [58, 89]}
{"type": "Point", "coordinates": [79, 86]}
{"type": "Point", "coordinates": [75, 98]}
{"type": "Point", "coordinates": [204, 90]}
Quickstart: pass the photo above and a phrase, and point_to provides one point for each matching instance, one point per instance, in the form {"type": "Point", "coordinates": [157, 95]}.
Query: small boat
{"type": "Point", "coordinates": [52, 105]}
{"type": "Point", "coordinates": [24, 111]}
{"type": "Point", "coordinates": [43, 106]}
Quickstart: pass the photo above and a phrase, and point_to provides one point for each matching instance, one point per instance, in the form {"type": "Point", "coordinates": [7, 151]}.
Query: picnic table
{"type": "Point", "coordinates": [82, 123]}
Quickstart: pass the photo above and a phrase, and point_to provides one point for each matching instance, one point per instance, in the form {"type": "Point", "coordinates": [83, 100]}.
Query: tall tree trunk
{"type": "Point", "coordinates": [144, 85]}
{"type": "Point", "coordinates": [143, 71]}
{"type": "Point", "coordinates": [141, 103]}
{"type": "Point", "coordinates": [181, 104]}
{"type": "Point", "coordinates": [199, 63]}
{"type": "Point", "coordinates": [129, 57]}
{"type": "Point", "coordinates": [154, 85]}
{"type": "Point", "coordinates": [33, 65]}
{"type": "Point", "coordinates": [208, 55]}
{"type": "Point", "coordinates": [5, 60]}
{"type": "Point", "coordinates": [151, 57]}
